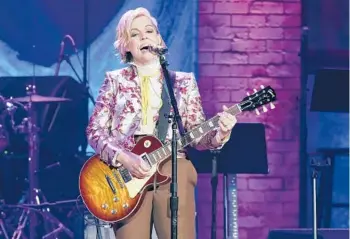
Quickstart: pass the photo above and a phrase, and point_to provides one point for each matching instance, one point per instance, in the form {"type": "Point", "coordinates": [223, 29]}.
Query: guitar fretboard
{"type": "Point", "coordinates": [196, 133]}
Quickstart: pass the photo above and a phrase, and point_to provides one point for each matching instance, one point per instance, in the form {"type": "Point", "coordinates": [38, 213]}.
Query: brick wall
{"type": "Point", "coordinates": [243, 44]}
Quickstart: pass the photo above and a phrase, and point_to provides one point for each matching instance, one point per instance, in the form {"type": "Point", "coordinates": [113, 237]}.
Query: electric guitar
{"type": "Point", "coordinates": [112, 194]}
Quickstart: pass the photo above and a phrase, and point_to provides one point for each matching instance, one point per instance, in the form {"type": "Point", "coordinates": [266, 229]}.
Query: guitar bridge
{"type": "Point", "coordinates": [121, 184]}
{"type": "Point", "coordinates": [126, 176]}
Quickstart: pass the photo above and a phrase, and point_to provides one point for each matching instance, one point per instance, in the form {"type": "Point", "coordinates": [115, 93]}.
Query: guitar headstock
{"type": "Point", "coordinates": [259, 99]}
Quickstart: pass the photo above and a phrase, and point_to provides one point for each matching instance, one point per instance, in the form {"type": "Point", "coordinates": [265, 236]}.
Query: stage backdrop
{"type": "Point", "coordinates": [31, 32]}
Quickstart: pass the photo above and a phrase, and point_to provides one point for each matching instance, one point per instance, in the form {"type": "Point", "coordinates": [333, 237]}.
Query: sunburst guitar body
{"type": "Point", "coordinates": [113, 195]}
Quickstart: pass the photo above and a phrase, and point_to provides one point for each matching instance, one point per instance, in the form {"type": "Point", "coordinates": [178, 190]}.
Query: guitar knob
{"type": "Point", "coordinates": [113, 211]}
{"type": "Point", "coordinates": [272, 106]}
{"type": "Point", "coordinates": [115, 199]}
{"type": "Point", "coordinates": [104, 206]}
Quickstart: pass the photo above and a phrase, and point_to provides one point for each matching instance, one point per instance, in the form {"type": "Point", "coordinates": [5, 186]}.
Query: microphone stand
{"type": "Point", "coordinates": [66, 58]}
{"type": "Point", "coordinates": [318, 166]}
{"type": "Point", "coordinates": [214, 184]}
{"type": "Point", "coordinates": [173, 119]}
{"type": "Point", "coordinates": [88, 92]}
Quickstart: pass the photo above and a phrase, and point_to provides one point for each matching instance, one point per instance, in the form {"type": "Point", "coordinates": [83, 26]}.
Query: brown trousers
{"type": "Point", "coordinates": [156, 208]}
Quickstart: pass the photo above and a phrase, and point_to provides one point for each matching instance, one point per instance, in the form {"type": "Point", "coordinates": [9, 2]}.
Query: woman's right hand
{"type": "Point", "coordinates": [134, 164]}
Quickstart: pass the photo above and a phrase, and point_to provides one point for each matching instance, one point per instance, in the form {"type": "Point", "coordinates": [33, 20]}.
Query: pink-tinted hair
{"type": "Point", "coordinates": [123, 31]}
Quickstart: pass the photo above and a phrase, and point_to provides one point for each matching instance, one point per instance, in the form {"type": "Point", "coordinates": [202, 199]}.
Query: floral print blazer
{"type": "Point", "coordinates": [117, 113]}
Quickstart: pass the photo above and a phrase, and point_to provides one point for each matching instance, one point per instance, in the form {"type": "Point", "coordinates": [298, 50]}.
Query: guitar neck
{"type": "Point", "coordinates": [191, 136]}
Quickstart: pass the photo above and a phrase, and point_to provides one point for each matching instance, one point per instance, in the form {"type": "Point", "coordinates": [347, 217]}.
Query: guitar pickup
{"type": "Point", "coordinates": [110, 183]}
{"type": "Point", "coordinates": [146, 159]}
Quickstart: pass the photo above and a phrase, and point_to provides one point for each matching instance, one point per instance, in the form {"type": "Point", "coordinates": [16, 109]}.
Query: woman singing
{"type": "Point", "coordinates": [128, 107]}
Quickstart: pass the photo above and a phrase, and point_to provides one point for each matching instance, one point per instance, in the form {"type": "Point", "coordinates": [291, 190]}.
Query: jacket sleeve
{"type": "Point", "coordinates": [196, 116]}
{"type": "Point", "coordinates": [100, 123]}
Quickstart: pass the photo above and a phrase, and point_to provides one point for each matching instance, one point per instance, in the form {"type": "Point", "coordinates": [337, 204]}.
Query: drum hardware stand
{"type": "Point", "coordinates": [3, 229]}
{"type": "Point", "coordinates": [34, 193]}
{"type": "Point", "coordinates": [2, 224]}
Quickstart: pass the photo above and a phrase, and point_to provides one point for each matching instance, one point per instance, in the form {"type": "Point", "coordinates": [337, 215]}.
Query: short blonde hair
{"type": "Point", "coordinates": [123, 31]}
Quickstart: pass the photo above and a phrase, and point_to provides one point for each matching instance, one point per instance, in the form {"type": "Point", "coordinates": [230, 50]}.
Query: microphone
{"type": "Point", "coordinates": [60, 58]}
{"type": "Point", "coordinates": [72, 41]}
{"type": "Point", "coordinates": [74, 47]}
{"type": "Point", "coordinates": [158, 50]}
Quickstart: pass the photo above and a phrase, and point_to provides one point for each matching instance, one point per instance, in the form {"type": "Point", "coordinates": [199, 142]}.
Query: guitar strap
{"type": "Point", "coordinates": [163, 121]}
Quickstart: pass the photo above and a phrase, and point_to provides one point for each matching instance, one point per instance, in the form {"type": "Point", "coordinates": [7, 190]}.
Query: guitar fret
{"type": "Point", "coordinates": [196, 133]}
{"type": "Point", "coordinates": [201, 130]}
{"type": "Point", "coordinates": [184, 140]}
{"type": "Point", "coordinates": [179, 143]}
{"type": "Point", "coordinates": [189, 137]}
{"type": "Point", "coordinates": [164, 152]}
{"type": "Point", "coordinates": [156, 155]}
{"type": "Point", "coordinates": [159, 152]}
{"type": "Point", "coordinates": [151, 157]}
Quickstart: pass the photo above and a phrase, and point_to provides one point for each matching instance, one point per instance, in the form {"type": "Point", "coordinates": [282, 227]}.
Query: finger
{"type": "Point", "coordinates": [222, 127]}
{"type": "Point", "coordinates": [229, 120]}
{"type": "Point", "coordinates": [142, 169]}
{"type": "Point", "coordinates": [233, 121]}
{"type": "Point", "coordinates": [229, 124]}
{"type": "Point", "coordinates": [227, 115]}
{"type": "Point", "coordinates": [139, 173]}
{"type": "Point", "coordinates": [144, 173]}
{"type": "Point", "coordinates": [221, 121]}
{"type": "Point", "coordinates": [139, 176]}
{"type": "Point", "coordinates": [144, 166]}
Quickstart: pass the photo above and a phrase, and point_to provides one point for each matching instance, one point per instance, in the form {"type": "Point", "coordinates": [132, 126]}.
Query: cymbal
{"type": "Point", "coordinates": [40, 99]}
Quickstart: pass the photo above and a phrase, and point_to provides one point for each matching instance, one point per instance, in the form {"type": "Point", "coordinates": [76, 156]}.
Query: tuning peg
{"type": "Point", "coordinates": [264, 108]}
{"type": "Point", "coordinates": [272, 106]}
{"type": "Point", "coordinates": [248, 94]}
{"type": "Point", "coordinates": [262, 87]}
{"type": "Point", "coordinates": [255, 91]}
{"type": "Point", "coordinates": [257, 112]}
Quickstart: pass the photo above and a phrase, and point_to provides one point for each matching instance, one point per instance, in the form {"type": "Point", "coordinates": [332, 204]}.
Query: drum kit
{"type": "Point", "coordinates": [33, 198]}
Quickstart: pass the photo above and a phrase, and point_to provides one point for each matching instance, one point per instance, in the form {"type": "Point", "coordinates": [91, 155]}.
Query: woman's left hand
{"type": "Point", "coordinates": [226, 122]}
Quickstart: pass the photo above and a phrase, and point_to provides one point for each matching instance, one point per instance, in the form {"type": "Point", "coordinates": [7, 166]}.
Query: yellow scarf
{"type": "Point", "coordinates": [146, 95]}
{"type": "Point", "coordinates": [146, 73]}
{"type": "Point", "coordinates": [145, 83]}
